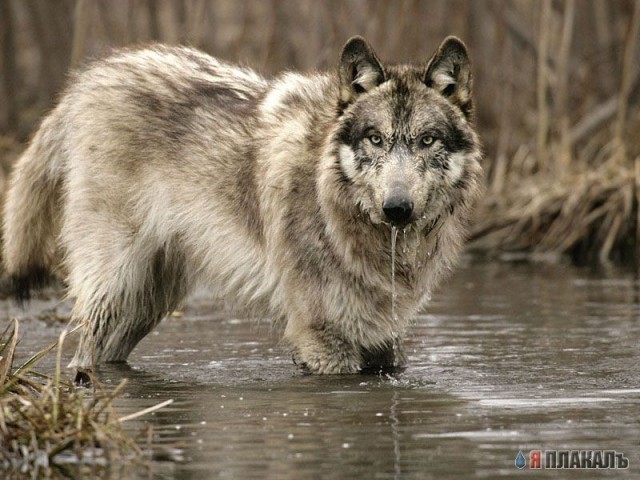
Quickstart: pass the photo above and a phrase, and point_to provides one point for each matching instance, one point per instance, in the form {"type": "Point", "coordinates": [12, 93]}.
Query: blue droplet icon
{"type": "Point", "coordinates": [520, 460]}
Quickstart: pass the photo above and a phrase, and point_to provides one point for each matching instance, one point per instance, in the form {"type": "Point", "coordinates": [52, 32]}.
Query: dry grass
{"type": "Point", "coordinates": [590, 214]}
{"type": "Point", "coordinates": [580, 193]}
{"type": "Point", "coordinates": [558, 80]}
{"type": "Point", "coordinates": [46, 421]}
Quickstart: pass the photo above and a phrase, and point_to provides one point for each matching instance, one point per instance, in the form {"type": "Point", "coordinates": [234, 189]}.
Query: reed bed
{"type": "Point", "coordinates": [46, 421]}
{"type": "Point", "coordinates": [556, 90]}
{"type": "Point", "coordinates": [578, 192]}
{"type": "Point", "coordinates": [590, 215]}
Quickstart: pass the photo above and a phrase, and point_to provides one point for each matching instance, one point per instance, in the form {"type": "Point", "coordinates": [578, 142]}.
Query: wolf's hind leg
{"type": "Point", "coordinates": [129, 302]}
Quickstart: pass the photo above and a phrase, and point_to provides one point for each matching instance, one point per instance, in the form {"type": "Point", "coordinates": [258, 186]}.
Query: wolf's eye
{"type": "Point", "coordinates": [426, 141]}
{"type": "Point", "coordinates": [375, 139]}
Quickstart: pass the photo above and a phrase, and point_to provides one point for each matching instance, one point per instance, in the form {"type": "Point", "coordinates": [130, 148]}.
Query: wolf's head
{"type": "Point", "coordinates": [406, 151]}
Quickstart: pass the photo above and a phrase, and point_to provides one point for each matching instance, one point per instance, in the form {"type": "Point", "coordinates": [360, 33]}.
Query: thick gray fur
{"type": "Point", "coordinates": [163, 169]}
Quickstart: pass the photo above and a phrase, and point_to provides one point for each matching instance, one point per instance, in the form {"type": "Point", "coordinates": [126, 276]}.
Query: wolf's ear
{"type": "Point", "coordinates": [359, 70]}
{"type": "Point", "coordinates": [449, 72]}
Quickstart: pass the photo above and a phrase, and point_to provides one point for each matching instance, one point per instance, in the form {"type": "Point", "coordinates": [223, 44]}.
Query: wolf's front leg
{"type": "Point", "coordinates": [321, 350]}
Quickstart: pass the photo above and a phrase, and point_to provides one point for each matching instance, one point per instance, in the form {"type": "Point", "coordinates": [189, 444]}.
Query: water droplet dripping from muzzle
{"type": "Point", "coordinates": [394, 294]}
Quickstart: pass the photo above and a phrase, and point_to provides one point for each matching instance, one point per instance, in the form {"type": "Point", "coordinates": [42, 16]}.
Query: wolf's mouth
{"type": "Point", "coordinates": [426, 230]}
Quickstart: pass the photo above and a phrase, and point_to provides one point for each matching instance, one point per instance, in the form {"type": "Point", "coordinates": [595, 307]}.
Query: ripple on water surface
{"type": "Point", "coordinates": [507, 358]}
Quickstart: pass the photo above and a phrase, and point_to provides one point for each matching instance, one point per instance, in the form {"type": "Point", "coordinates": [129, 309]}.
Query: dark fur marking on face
{"type": "Point", "coordinates": [440, 160]}
{"type": "Point", "coordinates": [346, 132]}
{"type": "Point", "coordinates": [349, 134]}
{"type": "Point", "coordinates": [459, 190]}
{"type": "Point", "coordinates": [341, 176]}
{"type": "Point", "coordinates": [422, 166]}
{"type": "Point", "coordinates": [402, 104]}
{"type": "Point", "coordinates": [457, 140]}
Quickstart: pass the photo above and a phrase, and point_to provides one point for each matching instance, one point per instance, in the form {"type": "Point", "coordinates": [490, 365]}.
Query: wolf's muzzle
{"type": "Point", "coordinates": [398, 210]}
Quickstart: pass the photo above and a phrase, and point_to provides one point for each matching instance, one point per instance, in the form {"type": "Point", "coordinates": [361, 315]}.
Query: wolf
{"type": "Point", "coordinates": [162, 170]}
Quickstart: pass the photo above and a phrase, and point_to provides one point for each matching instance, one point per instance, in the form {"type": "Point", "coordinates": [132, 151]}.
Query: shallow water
{"type": "Point", "coordinates": [508, 357]}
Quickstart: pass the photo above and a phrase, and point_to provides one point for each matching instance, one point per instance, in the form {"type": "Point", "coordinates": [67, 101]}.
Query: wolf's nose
{"type": "Point", "coordinates": [398, 209]}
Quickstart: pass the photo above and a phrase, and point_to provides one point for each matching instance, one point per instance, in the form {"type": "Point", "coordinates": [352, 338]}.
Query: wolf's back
{"type": "Point", "coordinates": [33, 209]}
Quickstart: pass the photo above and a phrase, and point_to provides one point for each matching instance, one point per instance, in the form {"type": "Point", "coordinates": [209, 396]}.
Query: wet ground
{"type": "Point", "coordinates": [508, 358]}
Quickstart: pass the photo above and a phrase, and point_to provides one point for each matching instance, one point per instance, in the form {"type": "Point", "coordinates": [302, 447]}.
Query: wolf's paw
{"type": "Point", "coordinates": [327, 364]}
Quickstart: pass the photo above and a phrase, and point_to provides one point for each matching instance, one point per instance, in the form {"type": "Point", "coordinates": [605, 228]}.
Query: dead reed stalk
{"type": "Point", "coordinates": [548, 204]}
{"type": "Point", "coordinates": [542, 83]}
{"type": "Point", "coordinates": [45, 424]}
{"type": "Point", "coordinates": [586, 214]}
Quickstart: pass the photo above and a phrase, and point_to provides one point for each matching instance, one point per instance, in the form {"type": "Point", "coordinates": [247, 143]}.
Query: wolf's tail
{"type": "Point", "coordinates": [32, 210]}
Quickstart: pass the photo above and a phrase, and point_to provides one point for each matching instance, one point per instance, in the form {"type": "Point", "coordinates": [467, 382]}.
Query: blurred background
{"type": "Point", "coordinates": [557, 87]}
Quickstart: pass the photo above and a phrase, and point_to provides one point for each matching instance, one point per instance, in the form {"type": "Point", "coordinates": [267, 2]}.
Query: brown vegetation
{"type": "Point", "coordinates": [557, 89]}
{"type": "Point", "coordinates": [46, 421]}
